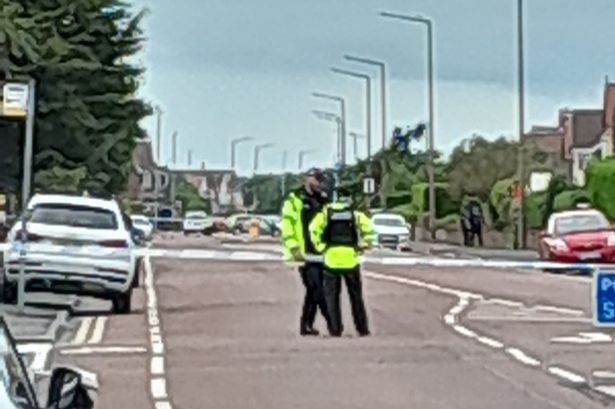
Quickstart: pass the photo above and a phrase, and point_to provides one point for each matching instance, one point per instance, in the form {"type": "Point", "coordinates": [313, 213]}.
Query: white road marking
{"type": "Point", "coordinates": [157, 365]}
{"type": "Point", "coordinates": [490, 342]}
{"type": "Point", "coordinates": [585, 338]}
{"type": "Point", "coordinates": [607, 390]}
{"type": "Point", "coordinates": [603, 374]}
{"type": "Point", "coordinates": [476, 317]}
{"type": "Point", "coordinates": [566, 374]}
{"type": "Point", "coordinates": [522, 357]}
{"type": "Point", "coordinates": [449, 319]}
{"type": "Point", "coordinates": [158, 382]}
{"type": "Point", "coordinates": [159, 388]}
{"type": "Point", "coordinates": [560, 310]}
{"type": "Point", "coordinates": [501, 301]}
{"type": "Point", "coordinates": [82, 332]}
{"type": "Point", "coordinates": [103, 350]}
{"type": "Point", "coordinates": [99, 329]}
{"type": "Point", "coordinates": [464, 331]}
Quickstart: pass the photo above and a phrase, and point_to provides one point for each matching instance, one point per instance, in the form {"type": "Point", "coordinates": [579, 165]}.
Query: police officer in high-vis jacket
{"type": "Point", "coordinates": [298, 211]}
{"type": "Point", "coordinates": [342, 234]}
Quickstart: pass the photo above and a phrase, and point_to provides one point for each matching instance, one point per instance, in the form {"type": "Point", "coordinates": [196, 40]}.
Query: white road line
{"type": "Point", "coordinates": [561, 310]}
{"type": "Point", "coordinates": [159, 388]}
{"type": "Point", "coordinates": [585, 338]}
{"type": "Point", "coordinates": [157, 365]}
{"type": "Point", "coordinates": [604, 374]}
{"type": "Point", "coordinates": [501, 301]}
{"type": "Point", "coordinates": [464, 331]}
{"type": "Point", "coordinates": [163, 405]}
{"type": "Point", "coordinates": [103, 350]}
{"type": "Point", "coordinates": [82, 332]}
{"type": "Point", "coordinates": [40, 351]}
{"type": "Point", "coordinates": [99, 329]}
{"type": "Point", "coordinates": [450, 319]}
{"type": "Point", "coordinates": [566, 374]}
{"type": "Point", "coordinates": [490, 342]}
{"type": "Point", "coordinates": [607, 390]}
{"type": "Point", "coordinates": [522, 357]}
{"type": "Point", "coordinates": [476, 317]}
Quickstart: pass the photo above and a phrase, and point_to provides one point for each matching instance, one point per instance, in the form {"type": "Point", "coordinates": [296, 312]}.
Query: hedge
{"type": "Point", "coordinates": [535, 207]}
{"type": "Point", "coordinates": [600, 185]}
{"type": "Point", "coordinates": [569, 199]}
{"type": "Point", "coordinates": [445, 205]}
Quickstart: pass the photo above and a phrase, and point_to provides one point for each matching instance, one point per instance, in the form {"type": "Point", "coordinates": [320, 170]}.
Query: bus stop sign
{"type": "Point", "coordinates": [604, 298]}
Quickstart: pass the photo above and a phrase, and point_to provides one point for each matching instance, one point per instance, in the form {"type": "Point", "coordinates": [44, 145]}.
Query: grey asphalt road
{"type": "Point", "coordinates": [223, 334]}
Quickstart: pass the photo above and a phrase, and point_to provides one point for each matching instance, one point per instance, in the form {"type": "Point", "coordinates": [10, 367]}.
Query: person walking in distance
{"type": "Point", "coordinates": [297, 212]}
{"type": "Point", "coordinates": [342, 234]}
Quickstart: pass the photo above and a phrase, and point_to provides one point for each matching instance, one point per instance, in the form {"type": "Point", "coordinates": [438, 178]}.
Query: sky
{"type": "Point", "coordinates": [222, 69]}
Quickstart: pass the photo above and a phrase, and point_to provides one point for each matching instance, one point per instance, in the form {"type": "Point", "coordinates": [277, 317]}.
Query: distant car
{"type": "Point", "coordinates": [68, 388]}
{"type": "Point", "coordinates": [196, 222]}
{"type": "Point", "coordinates": [143, 224]}
{"type": "Point", "coordinates": [75, 245]}
{"type": "Point", "coordinates": [578, 236]}
{"type": "Point", "coordinates": [272, 223]}
{"type": "Point", "coordinates": [241, 224]}
{"type": "Point", "coordinates": [391, 230]}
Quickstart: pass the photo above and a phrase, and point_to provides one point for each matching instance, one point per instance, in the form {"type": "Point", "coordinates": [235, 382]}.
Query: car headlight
{"type": "Point", "coordinates": [404, 237]}
{"type": "Point", "coordinates": [611, 240]}
{"type": "Point", "coordinates": [558, 245]}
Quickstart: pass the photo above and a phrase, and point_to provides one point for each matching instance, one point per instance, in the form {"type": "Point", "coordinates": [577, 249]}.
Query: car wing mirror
{"type": "Point", "coordinates": [69, 388]}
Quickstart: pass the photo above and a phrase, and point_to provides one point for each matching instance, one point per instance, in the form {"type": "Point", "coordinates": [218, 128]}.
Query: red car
{"type": "Point", "coordinates": [578, 236]}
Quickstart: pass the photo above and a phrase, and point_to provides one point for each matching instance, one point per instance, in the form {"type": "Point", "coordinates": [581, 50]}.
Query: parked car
{"type": "Point", "coordinates": [573, 236]}
{"type": "Point", "coordinates": [75, 245]}
{"type": "Point", "coordinates": [196, 222]}
{"type": "Point", "coordinates": [143, 224]}
{"type": "Point", "coordinates": [241, 223]}
{"type": "Point", "coordinates": [67, 389]}
{"type": "Point", "coordinates": [272, 224]}
{"type": "Point", "coordinates": [391, 230]}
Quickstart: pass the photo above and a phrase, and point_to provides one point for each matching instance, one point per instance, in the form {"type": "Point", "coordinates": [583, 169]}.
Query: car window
{"type": "Point", "coordinates": [14, 383]}
{"type": "Point", "coordinates": [389, 222]}
{"type": "Point", "coordinates": [74, 216]}
{"type": "Point", "coordinates": [581, 223]}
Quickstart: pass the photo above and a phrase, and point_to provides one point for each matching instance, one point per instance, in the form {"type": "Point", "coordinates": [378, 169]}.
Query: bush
{"type": "Point", "coordinates": [445, 205]}
{"type": "Point", "coordinates": [569, 199]}
{"type": "Point", "coordinates": [600, 185]}
{"type": "Point", "coordinates": [501, 203]}
{"type": "Point", "coordinates": [535, 207]}
{"type": "Point", "coordinates": [449, 223]}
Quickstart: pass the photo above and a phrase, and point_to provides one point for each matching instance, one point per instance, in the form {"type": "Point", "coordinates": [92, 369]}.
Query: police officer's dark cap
{"type": "Point", "coordinates": [316, 173]}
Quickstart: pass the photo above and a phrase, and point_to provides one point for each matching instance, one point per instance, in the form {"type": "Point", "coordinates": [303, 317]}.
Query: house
{"type": "Point", "coordinates": [589, 133]}
{"type": "Point", "coordinates": [148, 182]}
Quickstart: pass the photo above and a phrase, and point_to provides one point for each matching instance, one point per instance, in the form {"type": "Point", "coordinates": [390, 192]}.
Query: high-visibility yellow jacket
{"type": "Point", "coordinates": [341, 257]}
{"type": "Point", "coordinates": [291, 226]}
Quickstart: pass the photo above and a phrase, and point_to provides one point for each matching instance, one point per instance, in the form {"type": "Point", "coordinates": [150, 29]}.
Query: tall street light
{"type": "Point", "coordinates": [234, 143]}
{"type": "Point", "coordinates": [521, 230]}
{"type": "Point", "coordinates": [159, 113]}
{"type": "Point", "coordinates": [257, 152]}
{"type": "Point", "coordinates": [331, 117]}
{"type": "Point", "coordinates": [302, 155]}
{"type": "Point", "coordinates": [383, 90]}
{"type": "Point", "coordinates": [342, 103]}
{"type": "Point", "coordinates": [430, 72]}
{"type": "Point", "coordinates": [368, 104]}
{"type": "Point", "coordinates": [355, 136]}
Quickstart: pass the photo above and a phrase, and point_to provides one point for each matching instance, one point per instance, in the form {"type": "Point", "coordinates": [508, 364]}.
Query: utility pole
{"type": "Point", "coordinates": [257, 151]}
{"type": "Point", "coordinates": [158, 111]}
{"type": "Point", "coordinates": [521, 231]}
{"type": "Point", "coordinates": [234, 143]}
{"type": "Point", "coordinates": [174, 149]}
{"type": "Point", "coordinates": [355, 136]}
{"type": "Point", "coordinates": [26, 187]}
{"type": "Point", "coordinates": [302, 155]}
{"type": "Point", "coordinates": [189, 157]}
{"type": "Point", "coordinates": [329, 116]}
{"type": "Point", "coordinates": [342, 103]}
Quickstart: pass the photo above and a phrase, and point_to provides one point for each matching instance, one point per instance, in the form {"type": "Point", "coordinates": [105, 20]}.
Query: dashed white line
{"type": "Point", "coordinates": [566, 374]}
{"type": "Point", "coordinates": [159, 388]}
{"type": "Point", "coordinates": [99, 329]}
{"type": "Point", "coordinates": [604, 374]}
{"type": "Point", "coordinates": [607, 390]}
{"type": "Point", "coordinates": [157, 365]}
{"type": "Point", "coordinates": [464, 331]}
{"type": "Point", "coordinates": [522, 357]}
{"type": "Point", "coordinates": [82, 332]}
{"type": "Point", "coordinates": [163, 405]}
{"type": "Point", "coordinates": [490, 342]}
{"type": "Point", "coordinates": [450, 319]}
{"type": "Point", "coordinates": [501, 301]}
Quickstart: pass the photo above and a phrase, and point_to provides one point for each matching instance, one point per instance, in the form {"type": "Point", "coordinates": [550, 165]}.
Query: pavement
{"type": "Point", "coordinates": [222, 332]}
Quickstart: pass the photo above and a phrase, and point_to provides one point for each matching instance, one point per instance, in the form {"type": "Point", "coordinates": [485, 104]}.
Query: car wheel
{"type": "Point", "coordinates": [9, 293]}
{"type": "Point", "coordinates": [122, 303]}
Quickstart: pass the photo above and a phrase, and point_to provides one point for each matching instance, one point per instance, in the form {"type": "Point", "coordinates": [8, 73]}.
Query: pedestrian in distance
{"type": "Point", "coordinates": [301, 206]}
{"type": "Point", "coordinates": [342, 234]}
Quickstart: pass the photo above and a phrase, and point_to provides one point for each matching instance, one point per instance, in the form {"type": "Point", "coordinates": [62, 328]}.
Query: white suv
{"type": "Point", "coordinates": [74, 245]}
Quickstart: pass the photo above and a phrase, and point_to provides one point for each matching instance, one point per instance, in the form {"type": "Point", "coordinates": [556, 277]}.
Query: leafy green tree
{"type": "Point", "coordinates": [189, 196]}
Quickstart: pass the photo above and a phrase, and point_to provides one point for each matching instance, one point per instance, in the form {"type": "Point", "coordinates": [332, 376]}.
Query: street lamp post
{"type": "Point", "coordinates": [302, 155]}
{"type": "Point", "coordinates": [521, 231]}
{"type": "Point", "coordinates": [257, 152]}
{"type": "Point", "coordinates": [174, 148]}
{"type": "Point", "coordinates": [234, 143]}
{"type": "Point", "coordinates": [430, 72]}
{"type": "Point", "coordinates": [159, 112]}
{"type": "Point", "coordinates": [368, 104]}
{"type": "Point", "coordinates": [383, 90]}
{"type": "Point", "coordinates": [329, 116]}
{"type": "Point", "coordinates": [342, 103]}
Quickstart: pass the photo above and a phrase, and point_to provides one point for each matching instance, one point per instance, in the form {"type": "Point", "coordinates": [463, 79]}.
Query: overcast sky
{"type": "Point", "coordinates": [227, 68]}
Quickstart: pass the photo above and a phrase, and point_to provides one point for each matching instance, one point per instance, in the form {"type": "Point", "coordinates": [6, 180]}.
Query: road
{"type": "Point", "coordinates": [215, 325]}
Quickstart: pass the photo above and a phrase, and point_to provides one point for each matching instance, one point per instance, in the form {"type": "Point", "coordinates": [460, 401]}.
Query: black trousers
{"type": "Point", "coordinates": [333, 289]}
{"type": "Point", "coordinates": [312, 276]}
